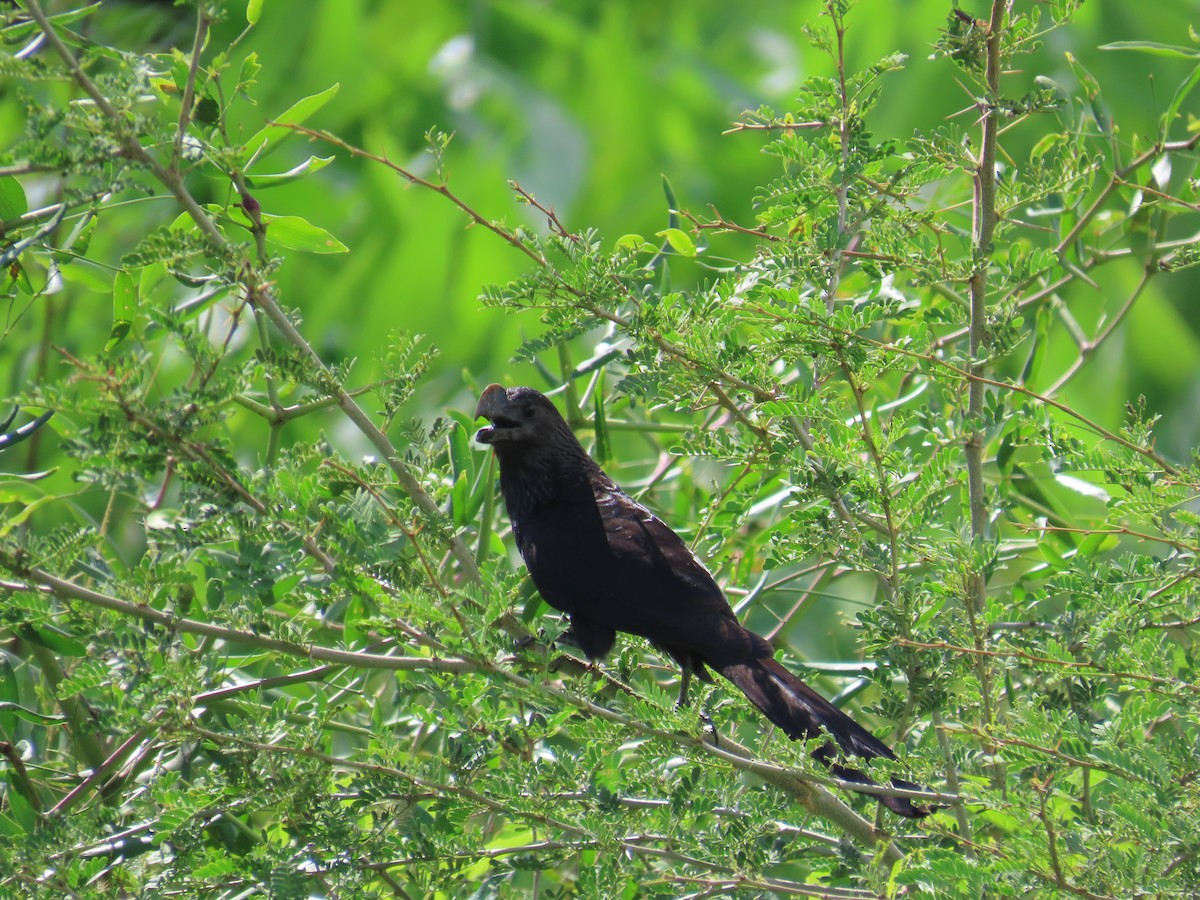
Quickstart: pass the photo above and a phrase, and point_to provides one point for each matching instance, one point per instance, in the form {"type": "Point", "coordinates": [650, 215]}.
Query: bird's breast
{"type": "Point", "coordinates": [562, 542]}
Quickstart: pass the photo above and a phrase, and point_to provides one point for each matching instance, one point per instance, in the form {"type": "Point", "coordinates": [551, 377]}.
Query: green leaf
{"type": "Point", "coordinates": [460, 449]}
{"type": "Point", "coordinates": [354, 634]}
{"type": "Point", "coordinates": [249, 71]}
{"type": "Point", "coordinates": [52, 639]}
{"type": "Point", "coordinates": [168, 822]}
{"type": "Point", "coordinates": [125, 302]}
{"type": "Point", "coordinates": [19, 275]}
{"type": "Point", "coordinates": [184, 223]}
{"type": "Point", "coordinates": [9, 696]}
{"type": "Point", "coordinates": [310, 165]}
{"type": "Point", "coordinates": [285, 585]}
{"type": "Point", "coordinates": [1091, 90]}
{"type": "Point", "coordinates": [19, 805]}
{"type": "Point", "coordinates": [151, 277]}
{"type": "Point", "coordinates": [1040, 340]}
{"type": "Point", "coordinates": [1051, 555]}
{"type": "Point", "coordinates": [1047, 143]}
{"type": "Point", "coordinates": [672, 205]}
{"type": "Point", "coordinates": [1098, 542]}
{"type": "Point", "coordinates": [10, 711]}
{"type": "Point", "coordinates": [16, 519]}
{"type": "Point", "coordinates": [207, 111]}
{"type": "Point", "coordinates": [1004, 454]}
{"type": "Point", "coordinates": [296, 233]}
{"type": "Point", "coordinates": [253, 11]}
{"type": "Point", "coordinates": [680, 241]}
{"type": "Point", "coordinates": [1154, 48]}
{"type": "Point", "coordinates": [459, 500]}
{"type": "Point", "coordinates": [1181, 94]}
{"type": "Point", "coordinates": [13, 204]}
{"type": "Point", "coordinates": [80, 238]}
{"type": "Point", "coordinates": [291, 232]}
{"type": "Point", "coordinates": [270, 138]}
{"type": "Point", "coordinates": [464, 460]}
{"type": "Point", "coordinates": [179, 71]}
{"type": "Point", "coordinates": [603, 444]}
{"type": "Point", "coordinates": [217, 870]}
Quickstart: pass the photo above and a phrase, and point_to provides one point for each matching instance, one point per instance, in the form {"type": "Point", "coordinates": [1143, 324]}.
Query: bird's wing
{"type": "Point", "coordinates": [656, 587]}
{"type": "Point", "coordinates": [638, 538]}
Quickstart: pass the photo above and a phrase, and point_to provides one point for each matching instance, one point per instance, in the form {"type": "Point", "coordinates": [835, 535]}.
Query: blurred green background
{"type": "Point", "coordinates": [587, 105]}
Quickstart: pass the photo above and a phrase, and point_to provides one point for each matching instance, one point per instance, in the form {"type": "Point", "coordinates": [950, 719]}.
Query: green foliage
{"type": "Point", "coordinates": [262, 631]}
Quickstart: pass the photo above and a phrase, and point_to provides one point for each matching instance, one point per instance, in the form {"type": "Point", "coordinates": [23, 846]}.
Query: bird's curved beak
{"type": "Point", "coordinates": [493, 403]}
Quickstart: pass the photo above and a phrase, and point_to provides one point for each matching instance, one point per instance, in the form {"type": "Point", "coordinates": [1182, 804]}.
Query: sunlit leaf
{"type": "Point", "coordinates": [630, 241]}
{"type": "Point", "coordinates": [13, 204]}
{"type": "Point", "coordinates": [271, 137]}
{"type": "Point", "coordinates": [680, 241]}
{"type": "Point", "coordinates": [296, 233]}
{"type": "Point", "coordinates": [310, 165]}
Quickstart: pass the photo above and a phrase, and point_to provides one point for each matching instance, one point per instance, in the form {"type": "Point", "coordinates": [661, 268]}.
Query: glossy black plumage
{"type": "Point", "coordinates": [606, 561]}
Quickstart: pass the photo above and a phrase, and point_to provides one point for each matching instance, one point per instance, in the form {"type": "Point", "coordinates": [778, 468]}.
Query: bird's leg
{"type": "Point", "coordinates": [685, 678]}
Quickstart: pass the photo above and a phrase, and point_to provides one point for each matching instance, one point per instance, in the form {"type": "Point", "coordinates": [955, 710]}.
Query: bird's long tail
{"type": "Point", "coordinates": [802, 713]}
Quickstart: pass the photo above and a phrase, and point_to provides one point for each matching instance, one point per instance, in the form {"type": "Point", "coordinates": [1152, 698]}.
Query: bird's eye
{"type": "Point", "coordinates": [527, 412]}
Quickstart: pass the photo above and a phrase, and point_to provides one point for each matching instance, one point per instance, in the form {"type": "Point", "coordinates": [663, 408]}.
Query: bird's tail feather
{"type": "Point", "coordinates": [802, 713]}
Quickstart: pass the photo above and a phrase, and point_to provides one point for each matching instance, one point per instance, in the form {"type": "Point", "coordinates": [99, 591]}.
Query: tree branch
{"type": "Point", "coordinates": [68, 590]}
{"type": "Point", "coordinates": [261, 293]}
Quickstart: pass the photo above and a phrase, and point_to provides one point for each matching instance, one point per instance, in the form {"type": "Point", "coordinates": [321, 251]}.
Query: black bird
{"type": "Point", "coordinates": [611, 565]}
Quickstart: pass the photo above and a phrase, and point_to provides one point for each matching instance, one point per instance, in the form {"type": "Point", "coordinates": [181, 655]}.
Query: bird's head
{"type": "Point", "coordinates": [518, 416]}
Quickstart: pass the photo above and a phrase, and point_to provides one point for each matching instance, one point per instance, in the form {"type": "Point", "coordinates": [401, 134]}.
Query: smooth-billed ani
{"type": "Point", "coordinates": [606, 561]}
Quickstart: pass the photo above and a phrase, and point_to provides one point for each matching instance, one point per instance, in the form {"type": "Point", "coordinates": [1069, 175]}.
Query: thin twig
{"type": "Point", "coordinates": [1167, 467]}
{"type": "Point", "coordinates": [1091, 668]}
{"type": "Point", "coordinates": [189, 86]}
{"type": "Point", "coordinates": [772, 126]}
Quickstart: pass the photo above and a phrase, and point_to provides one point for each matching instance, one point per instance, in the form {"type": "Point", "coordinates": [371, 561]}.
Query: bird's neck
{"type": "Point", "coordinates": [535, 479]}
